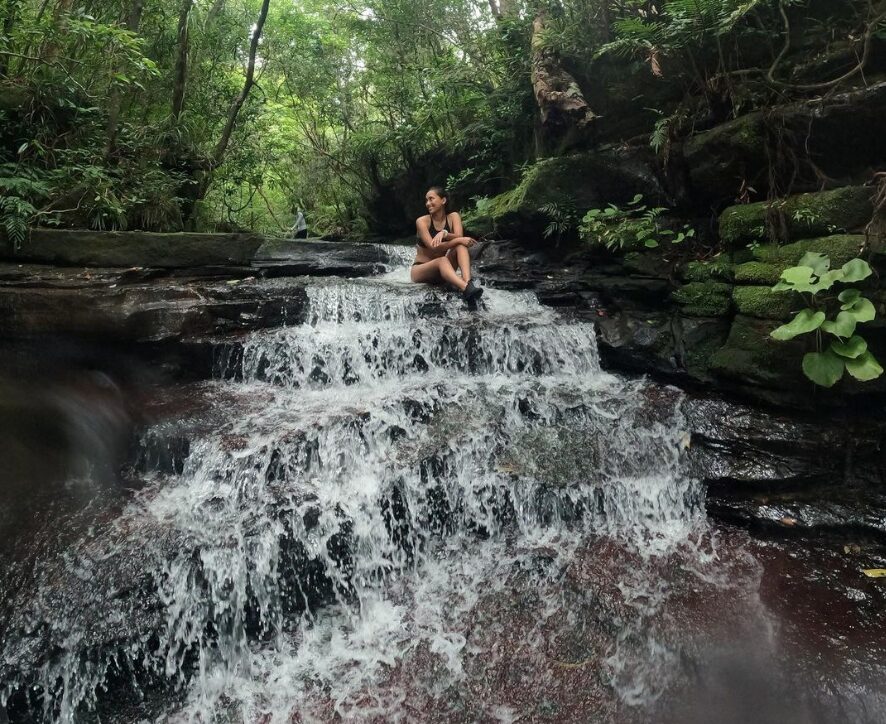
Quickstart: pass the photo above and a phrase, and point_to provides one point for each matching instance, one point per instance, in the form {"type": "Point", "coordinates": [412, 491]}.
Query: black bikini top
{"type": "Point", "coordinates": [433, 232]}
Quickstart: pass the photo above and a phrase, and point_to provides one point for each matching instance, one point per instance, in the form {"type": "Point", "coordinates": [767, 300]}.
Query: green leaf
{"type": "Point", "coordinates": [843, 326]}
{"type": "Point", "coordinates": [797, 275]}
{"type": "Point", "coordinates": [823, 368]}
{"type": "Point", "coordinates": [825, 281]}
{"type": "Point", "coordinates": [856, 270]}
{"type": "Point", "coordinates": [650, 243]}
{"type": "Point", "coordinates": [819, 263]}
{"type": "Point", "coordinates": [864, 367]}
{"type": "Point", "coordinates": [854, 347]}
{"type": "Point", "coordinates": [862, 310]}
{"type": "Point", "coordinates": [783, 287]}
{"type": "Point", "coordinates": [848, 297]}
{"type": "Point", "coordinates": [805, 321]}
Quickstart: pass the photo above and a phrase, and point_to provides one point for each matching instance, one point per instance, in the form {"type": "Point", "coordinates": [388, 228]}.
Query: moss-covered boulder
{"type": "Point", "coordinates": [751, 356]}
{"type": "Point", "coordinates": [758, 272]}
{"type": "Point", "coordinates": [840, 248]}
{"type": "Point", "coordinates": [703, 299]}
{"type": "Point", "coordinates": [580, 181]}
{"type": "Point", "coordinates": [805, 215]}
{"type": "Point", "coordinates": [719, 158]}
{"type": "Point", "coordinates": [720, 268]}
{"type": "Point", "coordinates": [762, 302]}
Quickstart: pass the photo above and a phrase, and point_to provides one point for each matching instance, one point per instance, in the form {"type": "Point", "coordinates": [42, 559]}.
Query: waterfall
{"type": "Point", "coordinates": [364, 489]}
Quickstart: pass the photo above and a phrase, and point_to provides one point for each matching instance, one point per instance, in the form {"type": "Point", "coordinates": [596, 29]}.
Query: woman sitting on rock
{"type": "Point", "coordinates": [443, 248]}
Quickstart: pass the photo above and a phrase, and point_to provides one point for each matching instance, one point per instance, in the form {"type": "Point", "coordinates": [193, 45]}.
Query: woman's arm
{"type": "Point", "coordinates": [422, 231]}
{"type": "Point", "coordinates": [458, 232]}
{"type": "Point", "coordinates": [455, 224]}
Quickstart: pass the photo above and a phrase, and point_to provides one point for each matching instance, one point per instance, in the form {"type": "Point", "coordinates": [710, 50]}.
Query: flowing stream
{"type": "Point", "coordinates": [399, 510]}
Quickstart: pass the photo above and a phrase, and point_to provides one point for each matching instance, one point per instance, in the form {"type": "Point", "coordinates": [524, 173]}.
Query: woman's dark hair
{"type": "Point", "coordinates": [442, 193]}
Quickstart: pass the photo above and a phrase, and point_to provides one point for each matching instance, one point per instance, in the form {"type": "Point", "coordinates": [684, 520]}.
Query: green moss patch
{"type": "Point", "coordinates": [758, 272]}
{"type": "Point", "coordinates": [703, 299]}
{"type": "Point", "coordinates": [718, 269]}
{"type": "Point", "coordinates": [806, 215]}
{"type": "Point", "coordinates": [762, 302]}
{"type": "Point", "coordinates": [839, 247]}
{"type": "Point", "coordinates": [751, 355]}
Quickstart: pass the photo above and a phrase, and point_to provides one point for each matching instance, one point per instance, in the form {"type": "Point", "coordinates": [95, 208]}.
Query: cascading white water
{"type": "Point", "coordinates": [397, 459]}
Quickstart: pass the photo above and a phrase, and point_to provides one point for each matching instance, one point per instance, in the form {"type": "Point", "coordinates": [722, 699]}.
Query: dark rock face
{"type": "Point", "coordinates": [839, 134]}
{"type": "Point", "coordinates": [287, 258]}
{"type": "Point", "coordinates": [132, 248]}
{"type": "Point", "coordinates": [580, 181]}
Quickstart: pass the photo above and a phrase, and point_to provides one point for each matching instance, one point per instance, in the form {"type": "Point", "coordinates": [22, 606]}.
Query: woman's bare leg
{"type": "Point", "coordinates": [460, 258]}
{"type": "Point", "coordinates": [435, 270]}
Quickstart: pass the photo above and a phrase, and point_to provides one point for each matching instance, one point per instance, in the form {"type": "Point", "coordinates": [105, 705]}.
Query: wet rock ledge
{"type": "Point", "coordinates": [167, 324]}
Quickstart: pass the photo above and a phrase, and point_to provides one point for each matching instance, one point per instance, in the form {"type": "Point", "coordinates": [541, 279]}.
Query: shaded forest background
{"type": "Point", "coordinates": [166, 115]}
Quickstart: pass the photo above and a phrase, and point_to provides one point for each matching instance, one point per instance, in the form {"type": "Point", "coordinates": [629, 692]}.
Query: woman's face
{"type": "Point", "coordinates": [434, 202]}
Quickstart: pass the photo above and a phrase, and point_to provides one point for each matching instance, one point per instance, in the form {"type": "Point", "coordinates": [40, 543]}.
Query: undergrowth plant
{"type": "Point", "coordinates": [563, 218]}
{"type": "Point", "coordinates": [622, 229]}
{"type": "Point", "coordinates": [831, 319]}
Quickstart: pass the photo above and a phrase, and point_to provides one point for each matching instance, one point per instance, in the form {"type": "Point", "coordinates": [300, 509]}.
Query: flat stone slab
{"type": "Point", "coordinates": [326, 258]}
{"type": "Point", "coordinates": [132, 248]}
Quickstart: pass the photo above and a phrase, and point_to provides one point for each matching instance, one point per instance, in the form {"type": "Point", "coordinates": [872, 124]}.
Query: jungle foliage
{"type": "Point", "coordinates": [208, 114]}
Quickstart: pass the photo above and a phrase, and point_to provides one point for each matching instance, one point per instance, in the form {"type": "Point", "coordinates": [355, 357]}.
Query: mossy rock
{"type": "Point", "coordinates": [701, 338]}
{"type": "Point", "coordinates": [703, 299]}
{"type": "Point", "coordinates": [806, 215]}
{"type": "Point", "coordinates": [762, 302]}
{"type": "Point", "coordinates": [840, 248]}
{"type": "Point", "coordinates": [65, 247]}
{"type": "Point", "coordinates": [717, 158]}
{"type": "Point", "coordinates": [581, 181]}
{"type": "Point", "coordinates": [758, 272]}
{"type": "Point", "coordinates": [750, 355]}
{"type": "Point", "coordinates": [647, 264]}
{"type": "Point", "coordinates": [718, 269]}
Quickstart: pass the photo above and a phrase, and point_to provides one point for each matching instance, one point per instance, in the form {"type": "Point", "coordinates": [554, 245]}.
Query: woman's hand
{"type": "Point", "coordinates": [466, 241]}
{"type": "Point", "coordinates": [438, 239]}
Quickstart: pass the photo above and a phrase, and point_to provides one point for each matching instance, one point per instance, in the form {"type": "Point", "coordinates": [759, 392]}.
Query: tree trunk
{"type": "Point", "coordinates": [133, 20]}
{"type": "Point", "coordinates": [559, 98]}
{"type": "Point", "coordinates": [8, 24]}
{"type": "Point", "coordinates": [221, 147]}
{"type": "Point", "coordinates": [181, 61]}
{"type": "Point", "coordinates": [214, 11]}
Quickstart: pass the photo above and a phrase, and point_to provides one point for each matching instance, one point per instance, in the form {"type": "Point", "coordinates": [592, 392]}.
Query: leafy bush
{"type": "Point", "coordinates": [635, 225]}
{"type": "Point", "coordinates": [563, 219]}
{"type": "Point", "coordinates": [829, 314]}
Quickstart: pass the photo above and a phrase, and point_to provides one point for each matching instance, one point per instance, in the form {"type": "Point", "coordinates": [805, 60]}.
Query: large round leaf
{"type": "Point", "coordinates": [823, 368]}
{"type": "Point", "coordinates": [854, 347]}
{"type": "Point", "coordinates": [819, 263]}
{"type": "Point", "coordinates": [797, 275]}
{"type": "Point", "coordinates": [843, 326]}
{"type": "Point", "coordinates": [862, 310]}
{"type": "Point", "coordinates": [848, 297]}
{"type": "Point", "coordinates": [825, 281]}
{"type": "Point", "coordinates": [806, 320]}
{"type": "Point", "coordinates": [864, 367]}
{"type": "Point", "coordinates": [855, 270]}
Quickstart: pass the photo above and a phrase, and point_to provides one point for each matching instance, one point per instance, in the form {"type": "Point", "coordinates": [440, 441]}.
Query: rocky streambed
{"type": "Point", "coordinates": [243, 493]}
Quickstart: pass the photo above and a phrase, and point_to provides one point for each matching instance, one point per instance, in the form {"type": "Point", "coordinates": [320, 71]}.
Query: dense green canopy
{"type": "Point", "coordinates": [170, 114]}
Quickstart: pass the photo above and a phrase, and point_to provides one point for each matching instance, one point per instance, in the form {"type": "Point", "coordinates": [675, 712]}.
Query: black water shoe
{"type": "Point", "coordinates": [472, 294]}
